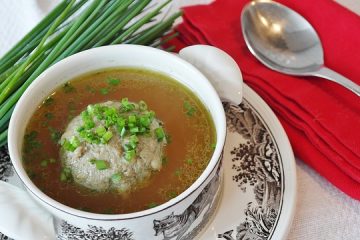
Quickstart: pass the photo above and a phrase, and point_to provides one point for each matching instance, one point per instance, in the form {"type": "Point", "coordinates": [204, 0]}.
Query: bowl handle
{"type": "Point", "coordinates": [219, 67]}
{"type": "Point", "coordinates": [21, 217]}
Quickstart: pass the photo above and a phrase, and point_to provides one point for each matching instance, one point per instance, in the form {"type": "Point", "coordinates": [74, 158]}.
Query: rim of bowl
{"type": "Point", "coordinates": [15, 150]}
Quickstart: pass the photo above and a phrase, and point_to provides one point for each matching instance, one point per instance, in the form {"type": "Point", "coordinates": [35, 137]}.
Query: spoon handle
{"type": "Point", "coordinates": [338, 78]}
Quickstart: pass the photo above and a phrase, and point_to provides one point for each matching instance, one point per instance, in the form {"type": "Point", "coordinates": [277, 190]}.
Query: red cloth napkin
{"type": "Point", "coordinates": [321, 118]}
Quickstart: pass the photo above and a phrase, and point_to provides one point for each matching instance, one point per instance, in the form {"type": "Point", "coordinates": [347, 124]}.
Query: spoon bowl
{"type": "Point", "coordinates": [284, 41]}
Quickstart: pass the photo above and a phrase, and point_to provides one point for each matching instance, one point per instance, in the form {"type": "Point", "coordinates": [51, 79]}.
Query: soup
{"type": "Point", "coordinates": [118, 141]}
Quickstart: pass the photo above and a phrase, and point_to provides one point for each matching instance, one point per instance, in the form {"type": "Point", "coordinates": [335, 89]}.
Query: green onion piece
{"type": "Point", "coordinates": [91, 109]}
{"type": "Point", "coordinates": [68, 146]}
{"type": "Point", "coordinates": [52, 160]}
{"type": "Point", "coordinates": [160, 134]}
{"type": "Point", "coordinates": [134, 130]}
{"type": "Point", "coordinates": [107, 136]}
{"type": "Point", "coordinates": [145, 121]}
{"type": "Point", "coordinates": [89, 124]}
{"type": "Point", "coordinates": [44, 163]}
{"type": "Point", "coordinates": [116, 178]}
{"type": "Point", "coordinates": [171, 194]}
{"type": "Point", "coordinates": [129, 155]}
{"type": "Point", "coordinates": [65, 175]}
{"type": "Point", "coordinates": [100, 130]}
{"type": "Point", "coordinates": [126, 106]}
{"type": "Point", "coordinates": [49, 115]}
{"type": "Point", "coordinates": [113, 81]}
{"type": "Point", "coordinates": [68, 88]}
{"type": "Point", "coordinates": [128, 147]}
{"type": "Point", "coordinates": [189, 109]}
{"type": "Point", "coordinates": [152, 205]}
{"type": "Point", "coordinates": [213, 145]}
{"type": "Point", "coordinates": [120, 122]}
{"type": "Point", "coordinates": [132, 119]}
{"type": "Point", "coordinates": [134, 139]}
{"type": "Point", "coordinates": [123, 132]}
{"type": "Point", "coordinates": [75, 142]}
{"type": "Point", "coordinates": [100, 164]}
{"type": "Point", "coordinates": [104, 91]}
{"type": "Point", "coordinates": [189, 161]}
{"type": "Point", "coordinates": [178, 172]}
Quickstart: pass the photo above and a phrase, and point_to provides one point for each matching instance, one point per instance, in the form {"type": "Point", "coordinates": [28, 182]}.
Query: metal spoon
{"type": "Point", "coordinates": [284, 41]}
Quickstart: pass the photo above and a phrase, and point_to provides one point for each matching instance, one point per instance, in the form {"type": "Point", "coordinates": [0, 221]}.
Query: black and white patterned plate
{"type": "Point", "coordinates": [259, 192]}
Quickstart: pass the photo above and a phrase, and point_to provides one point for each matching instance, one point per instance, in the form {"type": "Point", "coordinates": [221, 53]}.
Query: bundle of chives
{"type": "Point", "coordinates": [74, 26]}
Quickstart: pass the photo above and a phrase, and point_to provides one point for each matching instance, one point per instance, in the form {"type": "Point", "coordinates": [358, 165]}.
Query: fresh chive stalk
{"type": "Point", "coordinates": [71, 27]}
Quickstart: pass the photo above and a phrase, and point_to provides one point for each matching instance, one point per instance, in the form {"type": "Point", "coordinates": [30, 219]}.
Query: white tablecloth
{"type": "Point", "coordinates": [323, 212]}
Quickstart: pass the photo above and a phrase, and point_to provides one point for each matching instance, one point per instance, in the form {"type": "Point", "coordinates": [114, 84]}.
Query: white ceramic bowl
{"type": "Point", "coordinates": [163, 221]}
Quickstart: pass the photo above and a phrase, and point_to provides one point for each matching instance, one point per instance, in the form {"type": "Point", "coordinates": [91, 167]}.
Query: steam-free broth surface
{"type": "Point", "coordinates": [187, 123]}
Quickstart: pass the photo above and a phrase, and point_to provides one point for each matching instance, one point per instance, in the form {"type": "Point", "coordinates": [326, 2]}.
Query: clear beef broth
{"type": "Point", "coordinates": [186, 120]}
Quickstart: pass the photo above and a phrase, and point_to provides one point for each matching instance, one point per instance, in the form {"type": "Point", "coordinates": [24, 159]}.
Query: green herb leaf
{"type": "Point", "coordinates": [189, 109]}
{"type": "Point", "coordinates": [160, 134]}
{"type": "Point", "coordinates": [104, 91]}
{"type": "Point", "coordinates": [116, 178]}
{"type": "Point", "coordinates": [49, 115]}
{"type": "Point", "coordinates": [129, 155]}
{"type": "Point", "coordinates": [152, 205]}
{"type": "Point", "coordinates": [44, 163]}
{"type": "Point", "coordinates": [107, 136]}
{"type": "Point", "coordinates": [100, 164]}
{"type": "Point", "coordinates": [68, 88]}
{"type": "Point", "coordinates": [113, 81]}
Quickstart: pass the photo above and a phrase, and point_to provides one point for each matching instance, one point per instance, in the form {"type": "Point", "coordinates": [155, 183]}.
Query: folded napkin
{"type": "Point", "coordinates": [322, 119]}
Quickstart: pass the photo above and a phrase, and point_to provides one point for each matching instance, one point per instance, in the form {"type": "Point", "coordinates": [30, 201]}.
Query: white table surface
{"type": "Point", "coordinates": [323, 212]}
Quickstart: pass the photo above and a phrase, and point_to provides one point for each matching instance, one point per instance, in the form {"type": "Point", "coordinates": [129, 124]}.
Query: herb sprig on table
{"type": "Point", "coordinates": [74, 26]}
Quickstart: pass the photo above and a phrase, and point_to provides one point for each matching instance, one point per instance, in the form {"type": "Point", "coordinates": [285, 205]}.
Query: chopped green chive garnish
{"type": "Point", "coordinates": [67, 87]}
{"type": "Point", "coordinates": [31, 142]}
{"type": "Point", "coordinates": [52, 160]}
{"type": "Point", "coordinates": [134, 139]}
{"type": "Point", "coordinates": [126, 106]}
{"type": "Point", "coordinates": [160, 134]}
{"type": "Point", "coordinates": [54, 134]}
{"type": "Point", "coordinates": [213, 145]}
{"type": "Point", "coordinates": [116, 178]}
{"type": "Point", "coordinates": [134, 130]}
{"type": "Point", "coordinates": [113, 81]}
{"type": "Point", "coordinates": [75, 141]}
{"type": "Point", "coordinates": [129, 155]}
{"type": "Point", "coordinates": [100, 164]}
{"type": "Point", "coordinates": [68, 146]}
{"type": "Point", "coordinates": [171, 194]}
{"type": "Point", "coordinates": [132, 119]}
{"type": "Point", "coordinates": [104, 91]}
{"type": "Point", "coordinates": [65, 175]}
{"type": "Point", "coordinates": [107, 136]}
{"type": "Point", "coordinates": [178, 172]}
{"type": "Point", "coordinates": [122, 132]}
{"type": "Point", "coordinates": [152, 205]}
{"type": "Point", "coordinates": [189, 109]}
{"type": "Point", "coordinates": [49, 115]}
{"type": "Point", "coordinates": [100, 130]}
{"type": "Point", "coordinates": [44, 163]}
{"type": "Point", "coordinates": [189, 161]}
